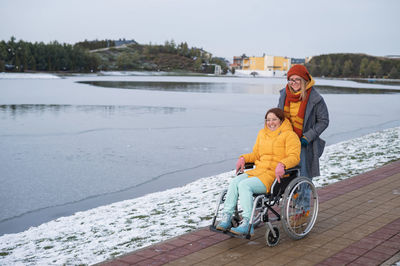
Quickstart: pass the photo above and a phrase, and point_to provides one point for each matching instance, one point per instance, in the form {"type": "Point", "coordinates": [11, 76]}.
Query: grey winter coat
{"type": "Point", "coordinates": [316, 120]}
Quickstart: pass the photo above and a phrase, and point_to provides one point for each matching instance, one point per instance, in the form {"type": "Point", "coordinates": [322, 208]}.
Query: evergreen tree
{"type": "Point", "coordinates": [363, 67]}
{"type": "Point", "coordinates": [347, 68]}
{"type": "Point", "coordinates": [198, 64]}
{"type": "Point", "coordinates": [313, 67]}
{"type": "Point", "coordinates": [3, 52]}
{"type": "Point", "coordinates": [394, 73]}
{"type": "Point", "coordinates": [336, 70]}
{"type": "Point", "coordinates": [326, 68]}
{"type": "Point", "coordinates": [378, 69]}
{"type": "Point", "coordinates": [32, 63]}
{"type": "Point", "coordinates": [373, 69]}
{"type": "Point", "coordinates": [127, 61]}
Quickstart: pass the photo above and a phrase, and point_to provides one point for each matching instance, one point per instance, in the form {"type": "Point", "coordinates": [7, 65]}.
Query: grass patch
{"type": "Point", "coordinates": [156, 212]}
{"type": "Point", "coordinates": [42, 240]}
{"type": "Point", "coordinates": [70, 238]}
{"type": "Point", "coordinates": [140, 217]}
{"type": "Point", "coordinates": [190, 221]}
{"type": "Point", "coordinates": [206, 218]}
{"type": "Point", "coordinates": [190, 227]}
{"type": "Point", "coordinates": [114, 254]}
{"type": "Point", "coordinates": [133, 240]}
{"type": "Point", "coordinates": [144, 226]}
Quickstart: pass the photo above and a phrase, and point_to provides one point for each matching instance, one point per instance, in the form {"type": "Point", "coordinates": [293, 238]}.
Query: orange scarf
{"type": "Point", "coordinates": [297, 122]}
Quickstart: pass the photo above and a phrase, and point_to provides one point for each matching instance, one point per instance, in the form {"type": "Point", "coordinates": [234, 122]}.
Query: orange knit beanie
{"type": "Point", "coordinates": [299, 70]}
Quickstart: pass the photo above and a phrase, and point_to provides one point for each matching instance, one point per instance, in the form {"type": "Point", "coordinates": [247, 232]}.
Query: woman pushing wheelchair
{"type": "Point", "coordinates": [308, 114]}
{"type": "Point", "coordinates": [277, 148]}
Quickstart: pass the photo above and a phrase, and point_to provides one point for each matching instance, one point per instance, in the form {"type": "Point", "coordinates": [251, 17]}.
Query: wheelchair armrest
{"type": "Point", "coordinates": [292, 170]}
{"type": "Point", "coordinates": [287, 177]}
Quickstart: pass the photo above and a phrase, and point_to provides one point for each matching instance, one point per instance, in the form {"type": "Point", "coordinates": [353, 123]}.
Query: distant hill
{"type": "Point", "coordinates": [354, 66]}
{"type": "Point", "coordinates": [167, 57]}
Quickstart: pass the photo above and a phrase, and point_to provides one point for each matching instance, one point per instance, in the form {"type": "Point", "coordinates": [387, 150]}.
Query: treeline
{"type": "Point", "coordinates": [96, 44]}
{"type": "Point", "coordinates": [25, 56]}
{"type": "Point", "coordinates": [354, 66]}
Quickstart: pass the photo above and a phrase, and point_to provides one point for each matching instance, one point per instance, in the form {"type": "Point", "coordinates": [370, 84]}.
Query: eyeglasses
{"type": "Point", "coordinates": [294, 80]}
{"type": "Point", "coordinates": [272, 120]}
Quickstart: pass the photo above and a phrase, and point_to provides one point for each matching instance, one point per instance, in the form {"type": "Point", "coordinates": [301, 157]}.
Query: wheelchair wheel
{"type": "Point", "coordinates": [300, 207]}
{"type": "Point", "coordinates": [271, 240]}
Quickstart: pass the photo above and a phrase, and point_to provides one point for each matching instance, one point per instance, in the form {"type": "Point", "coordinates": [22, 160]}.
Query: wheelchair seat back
{"type": "Point", "coordinates": [277, 189]}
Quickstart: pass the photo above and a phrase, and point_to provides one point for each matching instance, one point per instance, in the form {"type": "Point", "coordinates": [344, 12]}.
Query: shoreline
{"type": "Point", "coordinates": [384, 81]}
{"type": "Point", "coordinates": [23, 222]}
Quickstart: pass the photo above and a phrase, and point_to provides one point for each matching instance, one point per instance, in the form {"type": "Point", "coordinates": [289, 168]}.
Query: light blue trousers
{"type": "Point", "coordinates": [242, 187]}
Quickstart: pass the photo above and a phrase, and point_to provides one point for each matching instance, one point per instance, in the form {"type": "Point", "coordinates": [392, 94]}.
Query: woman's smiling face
{"type": "Point", "coordinates": [295, 82]}
{"type": "Point", "coordinates": [272, 121]}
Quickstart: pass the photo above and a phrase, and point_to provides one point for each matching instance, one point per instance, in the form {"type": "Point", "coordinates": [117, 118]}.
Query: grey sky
{"type": "Point", "coordinates": [223, 27]}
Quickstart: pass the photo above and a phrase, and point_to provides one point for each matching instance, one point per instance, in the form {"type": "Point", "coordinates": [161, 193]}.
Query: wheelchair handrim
{"type": "Point", "coordinates": [314, 213]}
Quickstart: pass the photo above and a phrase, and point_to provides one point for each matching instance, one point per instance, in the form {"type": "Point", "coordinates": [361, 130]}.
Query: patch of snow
{"type": "Point", "coordinates": [133, 73]}
{"type": "Point", "coordinates": [4, 75]}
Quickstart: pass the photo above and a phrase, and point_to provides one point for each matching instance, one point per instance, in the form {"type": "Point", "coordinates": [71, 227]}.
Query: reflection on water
{"type": "Point", "coordinates": [14, 110]}
{"type": "Point", "coordinates": [378, 81]}
{"type": "Point", "coordinates": [217, 87]}
{"type": "Point", "coordinates": [348, 90]}
{"type": "Point", "coordinates": [204, 87]}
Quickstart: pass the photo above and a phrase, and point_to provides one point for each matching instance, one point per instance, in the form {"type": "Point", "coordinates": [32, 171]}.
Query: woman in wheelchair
{"type": "Point", "coordinates": [277, 148]}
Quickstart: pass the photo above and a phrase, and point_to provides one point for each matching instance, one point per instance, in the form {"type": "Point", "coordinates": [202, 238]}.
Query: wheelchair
{"type": "Point", "coordinates": [292, 194]}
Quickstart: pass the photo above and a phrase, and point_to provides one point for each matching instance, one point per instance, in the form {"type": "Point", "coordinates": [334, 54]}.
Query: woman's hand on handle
{"type": "Point", "coordinates": [279, 171]}
{"type": "Point", "coordinates": [240, 165]}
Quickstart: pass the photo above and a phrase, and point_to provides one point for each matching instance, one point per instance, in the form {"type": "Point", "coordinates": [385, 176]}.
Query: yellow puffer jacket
{"type": "Point", "coordinates": [272, 147]}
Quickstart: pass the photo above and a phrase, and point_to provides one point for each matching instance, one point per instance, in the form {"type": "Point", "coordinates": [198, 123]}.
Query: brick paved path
{"type": "Point", "coordinates": [358, 224]}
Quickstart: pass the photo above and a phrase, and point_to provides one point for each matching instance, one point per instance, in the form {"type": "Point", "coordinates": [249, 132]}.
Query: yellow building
{"type": "Point", "coordinates": [256, 63]}
{"type": "Point", "coordinates": [253, 63]}
{"type": "Point", "coordinates": [246, 63]}
{"type": "Point", "coordinates": [266, 63]}
{"type": "Point", "coordinates": [277, 63]}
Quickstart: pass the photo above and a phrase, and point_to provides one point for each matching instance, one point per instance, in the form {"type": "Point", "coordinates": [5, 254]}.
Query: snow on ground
{"type": "Point", "coordinates": [102, 233]}
{"type": "Point", "coordinates": [133, 73]}
{"type": "Point", "coordinates": [4, 75]}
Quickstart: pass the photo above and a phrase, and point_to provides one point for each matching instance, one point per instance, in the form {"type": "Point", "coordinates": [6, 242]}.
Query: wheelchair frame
{"type": "Point", "coordinates": [284, 193]}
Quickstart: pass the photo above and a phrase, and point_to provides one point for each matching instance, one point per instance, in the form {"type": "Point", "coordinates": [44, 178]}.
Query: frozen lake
{"type": "Point", "coordinates": [75, 143]}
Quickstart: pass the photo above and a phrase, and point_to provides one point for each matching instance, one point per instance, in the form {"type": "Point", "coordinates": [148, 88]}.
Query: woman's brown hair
{"type": "Point", "coordinates": [278, 112]}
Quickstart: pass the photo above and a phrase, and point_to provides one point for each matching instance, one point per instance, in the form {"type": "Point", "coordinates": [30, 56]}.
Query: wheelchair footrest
{"type": "Point", "coordinates": [229, 233]}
